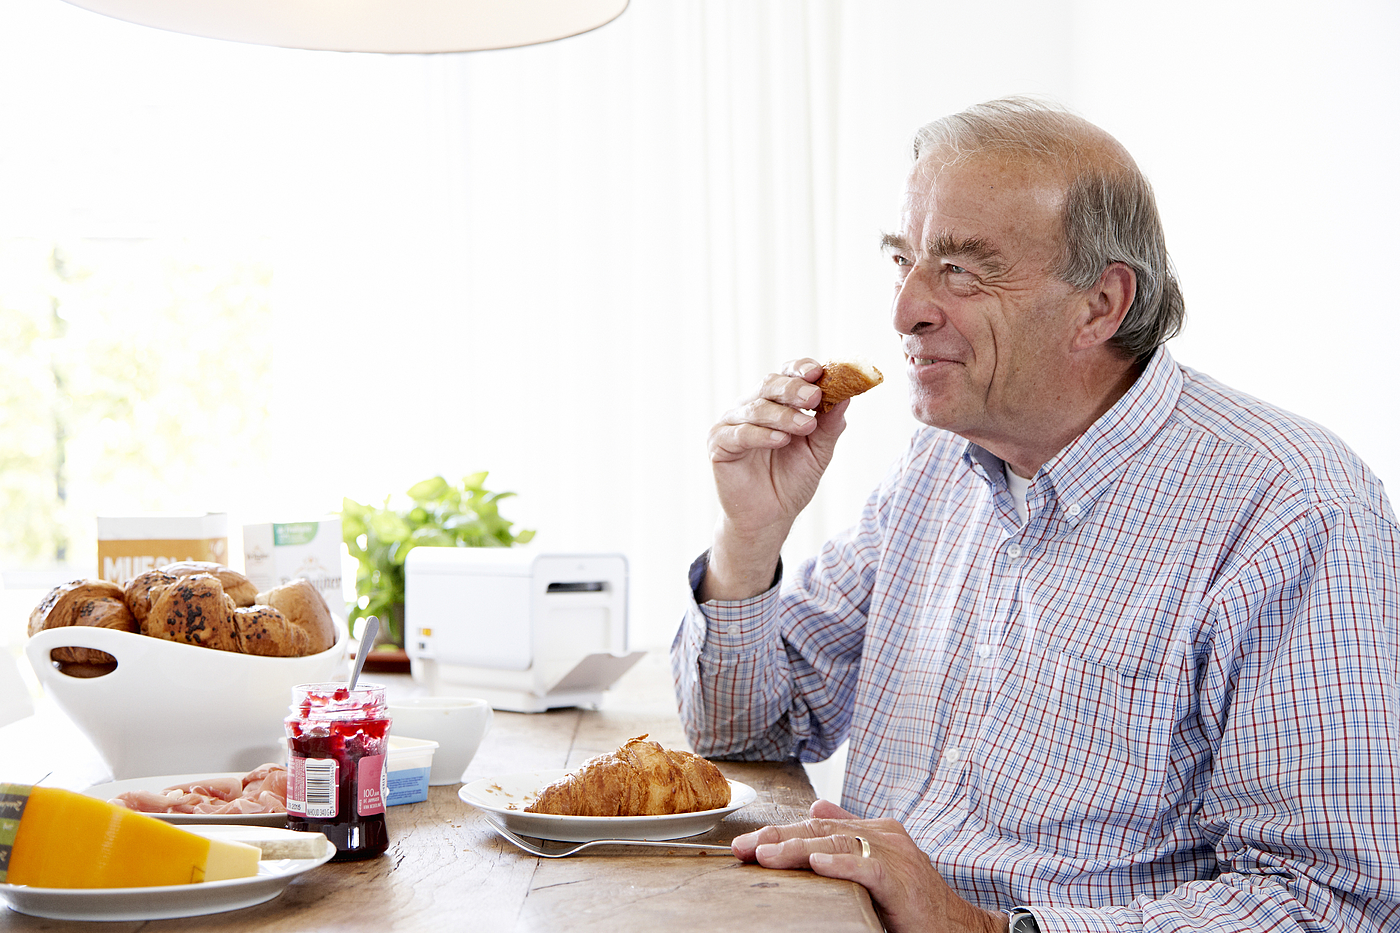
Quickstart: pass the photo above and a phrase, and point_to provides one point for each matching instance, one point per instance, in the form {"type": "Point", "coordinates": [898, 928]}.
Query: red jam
{"type": "Point", "coordinates": [337, 767]}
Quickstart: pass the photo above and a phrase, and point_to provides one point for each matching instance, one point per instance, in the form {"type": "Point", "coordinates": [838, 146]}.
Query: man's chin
{"type": "Point", "coordinates": [933, 413]}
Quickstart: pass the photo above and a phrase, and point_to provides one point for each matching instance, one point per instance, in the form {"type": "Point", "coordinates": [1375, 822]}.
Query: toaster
{"type": "Point", "coordinates": [524, 629]}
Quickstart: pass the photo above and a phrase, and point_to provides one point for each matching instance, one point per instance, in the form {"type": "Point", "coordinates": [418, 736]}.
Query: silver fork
{"type": "Point", "coordinates": [560, 853]}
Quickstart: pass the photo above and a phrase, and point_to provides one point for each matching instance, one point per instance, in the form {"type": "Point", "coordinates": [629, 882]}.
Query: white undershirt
{"type": "Point", "coordinates": [1019, 487]}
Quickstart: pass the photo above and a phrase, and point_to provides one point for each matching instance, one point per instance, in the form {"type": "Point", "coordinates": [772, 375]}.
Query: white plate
{"type": "Point", "coordinates": [165, 901]}
{"type": "Point", "coordinates": [157, 784]}
{"type": "Point", "coordinates": [504, 799]}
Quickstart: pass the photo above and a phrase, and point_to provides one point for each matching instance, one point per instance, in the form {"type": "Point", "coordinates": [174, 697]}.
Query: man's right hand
{"type": "Point", "coordinates": [768, 456]}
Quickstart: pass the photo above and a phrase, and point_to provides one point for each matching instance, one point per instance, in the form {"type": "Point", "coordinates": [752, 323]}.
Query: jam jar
{"type": "Point", "coordinates": [337, 768]}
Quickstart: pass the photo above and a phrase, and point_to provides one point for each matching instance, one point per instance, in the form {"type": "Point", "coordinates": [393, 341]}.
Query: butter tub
{"type": "Point", "coordinates": [409, 762]}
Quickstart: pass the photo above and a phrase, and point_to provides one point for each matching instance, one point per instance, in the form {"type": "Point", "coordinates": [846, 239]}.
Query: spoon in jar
{"type": "Point", "coordinates": [367, 638]}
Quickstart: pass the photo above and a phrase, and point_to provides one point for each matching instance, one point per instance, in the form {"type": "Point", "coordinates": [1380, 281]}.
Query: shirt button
{"type": "Point", "coordinates": [951, 755]}
{"type": "Point", "coordinates": [1074, 510]}
{"type": "Point", "coordinates": [984, 651]}
{"type": "Point", "coordinates": [732, 630]}
{"type": "Point", "coordinates": [1014, 551]}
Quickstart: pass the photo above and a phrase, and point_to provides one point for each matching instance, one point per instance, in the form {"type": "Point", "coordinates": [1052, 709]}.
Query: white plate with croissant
{"type": "Point", "coordinates": [504, 799]}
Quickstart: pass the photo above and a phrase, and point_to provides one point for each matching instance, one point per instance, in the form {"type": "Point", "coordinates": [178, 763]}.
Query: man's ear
{"type": "Point", "coordinates": [1105, 305]}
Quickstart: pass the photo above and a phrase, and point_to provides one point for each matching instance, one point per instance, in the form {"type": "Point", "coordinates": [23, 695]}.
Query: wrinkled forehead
{"type": "Point", "coordinates": [1004, 192]}
{"type": "Point", "coordinates": [1037, 179]}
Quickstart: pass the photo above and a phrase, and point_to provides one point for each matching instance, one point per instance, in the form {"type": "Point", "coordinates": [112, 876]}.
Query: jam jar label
{"type": "Point", "coordinates": [371, 785]}
{"type": "Point", "coordinates": [312, 787]}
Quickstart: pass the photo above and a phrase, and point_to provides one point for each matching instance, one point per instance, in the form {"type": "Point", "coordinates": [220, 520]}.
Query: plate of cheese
{"type": "Point", "coordinates": [162, 902]}
{"type": "Point", "coordinates": [66, 856]}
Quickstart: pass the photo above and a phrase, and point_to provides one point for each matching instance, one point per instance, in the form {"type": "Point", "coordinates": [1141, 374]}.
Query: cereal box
{"type": "Point", "coordinates": [278, 552]}
{"type": "Point", "coordinates": [131, 545]}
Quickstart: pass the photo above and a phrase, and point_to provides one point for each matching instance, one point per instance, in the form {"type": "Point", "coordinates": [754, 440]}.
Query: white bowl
{"type": "Point", "coordinates": [171, 708]}
{"type": "Point", "coordinates": [456, 724]}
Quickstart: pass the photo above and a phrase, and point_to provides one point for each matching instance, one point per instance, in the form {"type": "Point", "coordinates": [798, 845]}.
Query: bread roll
{"type": "Point", "coordinates": [640, 779]}
{"type": "Point", "coordinates": [843, 379]}
{"type": "Point", "coordinates": [97, 603]}
{"type": "Point", "coordinates": [238, 587]}
{"type": "Point", "coordinates": [138, 591]}
{"type": "Point", "coordinates": [193, 610]}
{"type": "Point", "coordinates": [304, 606]}
{"type": "Point", "coordinates": [265, 631]}
{"type": "Point", "coordinates": [182, 603]}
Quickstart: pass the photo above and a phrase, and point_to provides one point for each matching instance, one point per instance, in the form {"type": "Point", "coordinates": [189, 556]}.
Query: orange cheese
{"type": "Point", "coordinates": [51, 838]}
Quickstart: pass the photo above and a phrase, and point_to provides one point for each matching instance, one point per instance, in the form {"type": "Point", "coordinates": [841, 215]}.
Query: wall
{"type": "Point", "coordinates": [562, 263]}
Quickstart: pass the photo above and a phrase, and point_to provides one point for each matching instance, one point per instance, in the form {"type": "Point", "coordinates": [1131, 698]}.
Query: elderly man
{"type": "Point", "coordinates": [1115, 646]}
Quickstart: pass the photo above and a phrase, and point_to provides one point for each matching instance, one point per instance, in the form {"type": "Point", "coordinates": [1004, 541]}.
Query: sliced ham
{"type": "Point", "coordinates": [216, 788]}
{"type": "Point", "coordinates": [262, 790]}
{"type": "Point", "coordinates": [266, 779]}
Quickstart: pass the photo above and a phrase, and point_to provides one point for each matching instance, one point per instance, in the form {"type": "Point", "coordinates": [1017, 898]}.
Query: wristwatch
{"type": "Point", "coordinates": [1022, 921]}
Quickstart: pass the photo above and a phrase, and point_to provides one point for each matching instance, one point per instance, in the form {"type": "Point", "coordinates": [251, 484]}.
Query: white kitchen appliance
{"type": "Point", "coordinates": [526, 630]}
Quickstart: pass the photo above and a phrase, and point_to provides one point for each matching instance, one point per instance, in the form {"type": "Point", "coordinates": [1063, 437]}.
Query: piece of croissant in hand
{"type": "Point", "coordinates": [639, 779]}
{"type": "Point", "coordinates": [842, 379]}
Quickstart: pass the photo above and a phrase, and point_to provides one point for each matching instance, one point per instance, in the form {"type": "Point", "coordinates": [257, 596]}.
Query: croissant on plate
{"type": "Point", "coordinates": [639, 779]}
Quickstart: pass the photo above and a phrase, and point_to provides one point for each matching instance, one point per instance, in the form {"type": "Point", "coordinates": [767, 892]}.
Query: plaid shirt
{"type": "Point", "coordinates": [1168, 700]}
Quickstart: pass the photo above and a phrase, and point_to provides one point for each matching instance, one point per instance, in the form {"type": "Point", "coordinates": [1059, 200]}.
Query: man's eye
{"type": "Point", "coordinates": [900, 260]}
{"type": "Point", "coordinates": [952, 268]}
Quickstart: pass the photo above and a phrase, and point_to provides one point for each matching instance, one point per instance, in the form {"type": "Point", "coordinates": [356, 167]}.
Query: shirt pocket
{"type": "Point", "coordinates": [1081, 752]}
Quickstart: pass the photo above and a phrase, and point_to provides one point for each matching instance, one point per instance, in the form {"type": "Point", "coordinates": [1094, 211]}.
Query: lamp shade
{"type": "Point", "coordinates": [369, 25]}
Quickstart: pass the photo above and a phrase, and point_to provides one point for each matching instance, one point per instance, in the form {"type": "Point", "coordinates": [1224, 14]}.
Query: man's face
{"type": "Point", "coordinates": [986, 325]}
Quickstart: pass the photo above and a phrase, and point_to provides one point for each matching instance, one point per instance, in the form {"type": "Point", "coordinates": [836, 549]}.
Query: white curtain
{"type": "Point", "coordinates": [561, 263]}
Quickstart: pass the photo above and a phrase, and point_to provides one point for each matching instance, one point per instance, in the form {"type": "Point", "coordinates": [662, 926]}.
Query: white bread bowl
{"type": "Point", "coordinates": [171, 708]}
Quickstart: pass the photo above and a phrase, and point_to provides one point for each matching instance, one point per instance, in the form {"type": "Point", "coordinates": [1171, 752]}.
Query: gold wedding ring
{"type": "Point", "coordinates": [864, 847]}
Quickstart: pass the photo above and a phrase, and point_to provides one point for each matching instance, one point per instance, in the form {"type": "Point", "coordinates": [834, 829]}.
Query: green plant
{"type": "Point", "coordinates": [441, 515]}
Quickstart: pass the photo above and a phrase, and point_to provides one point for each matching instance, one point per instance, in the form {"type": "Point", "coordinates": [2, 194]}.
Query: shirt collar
{"type": "Point", "coordinates": [1081, 471]}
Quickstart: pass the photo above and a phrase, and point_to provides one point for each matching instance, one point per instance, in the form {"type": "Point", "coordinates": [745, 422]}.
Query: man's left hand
{"type": "Point", "coordinates": [909, 893]}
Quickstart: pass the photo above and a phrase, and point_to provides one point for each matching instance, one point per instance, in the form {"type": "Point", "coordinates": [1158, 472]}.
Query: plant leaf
{"type": "Point", "coordinates": [441, 515]}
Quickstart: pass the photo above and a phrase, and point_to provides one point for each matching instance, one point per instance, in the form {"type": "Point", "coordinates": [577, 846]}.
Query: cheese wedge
{"type": "Point", "coordinates": [51, 838]}
{"type": "Point", "coordinates": [272, 842]}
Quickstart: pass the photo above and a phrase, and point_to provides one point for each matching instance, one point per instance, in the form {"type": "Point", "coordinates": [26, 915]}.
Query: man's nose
{"type": "Point", "coordinates": [915, 306]}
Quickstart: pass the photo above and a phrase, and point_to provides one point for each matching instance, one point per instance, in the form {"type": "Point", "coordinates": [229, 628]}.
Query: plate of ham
{"type": "Point", "coordinates": [252, 798]}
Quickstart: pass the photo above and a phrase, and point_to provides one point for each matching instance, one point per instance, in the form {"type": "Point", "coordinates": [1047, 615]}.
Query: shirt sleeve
{"type": "Point", "coordinates": [729, 668]}
{"type": "Point", "coordinates": [774, 677]}
{"type": "Point", "coordinates": [1303, 691]}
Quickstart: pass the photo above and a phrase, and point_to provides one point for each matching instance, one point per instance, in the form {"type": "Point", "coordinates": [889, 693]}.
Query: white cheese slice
{"type": "Point", "coordinates": [274, 843]}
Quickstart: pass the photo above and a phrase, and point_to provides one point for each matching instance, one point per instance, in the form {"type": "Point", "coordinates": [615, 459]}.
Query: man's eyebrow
{"type": "Point", "coordinates": [893, 242]}
{"type": "Point", "coordinates": [973, 247]}
{"type": "Point", "coordinates": [947, 244]}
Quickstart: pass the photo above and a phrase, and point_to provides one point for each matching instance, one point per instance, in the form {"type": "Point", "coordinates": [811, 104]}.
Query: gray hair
{"type": "Point", "coordinates": [1109, 214]}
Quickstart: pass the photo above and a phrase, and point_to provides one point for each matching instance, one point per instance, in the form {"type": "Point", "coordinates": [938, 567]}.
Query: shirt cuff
{"type": "Point", "coordinates": [701, 565]}
{"type": "Point", "coordinates": [1078, 920]}
{"type": "Point", "coordinates": [733, 625]}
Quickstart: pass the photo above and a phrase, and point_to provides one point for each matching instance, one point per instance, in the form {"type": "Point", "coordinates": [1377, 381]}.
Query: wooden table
{"type": "Point", "coordinates": [447, 870]}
